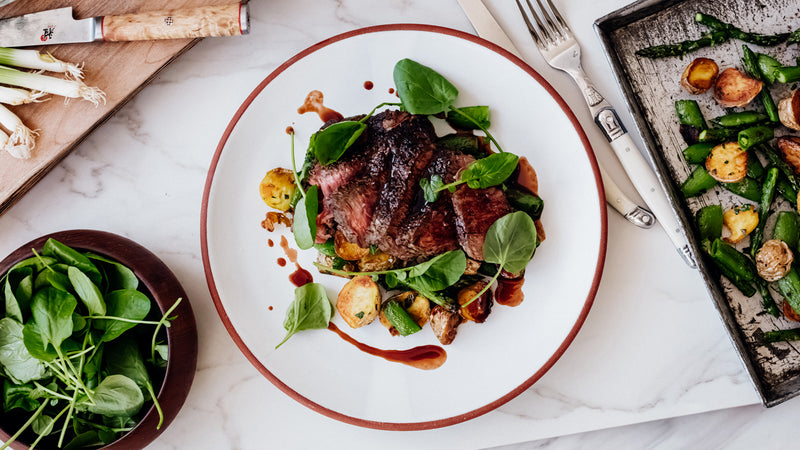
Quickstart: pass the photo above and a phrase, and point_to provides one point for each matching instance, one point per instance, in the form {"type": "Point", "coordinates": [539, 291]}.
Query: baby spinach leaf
{"type": "Point", "coordinates": [431, 187]}
{"type": "Point", "coordinates": [83, 440]}
{"type": "Point", "coordinates": [511, 241]}
{"type": "Point", "coordinates": [52, 310]}
{"type": "Point", "coordinates": [116, 396]}
{"type": "Point", "coordinates": [18, 396]}
{"type": "Point", "coordinates": [490, 171]}
{"type": "Point", "coordinates": [329, 144]}
{"type": "Point", "coordinates": [87, 291]}
{"type": "Point", "coordinates": [17, 292]}
{"type": "Point", "coordinates": [35, 344]}
{"type": "Point", "coordinates": [72, 257]}
{"type": "Point", "coordinates": [421, 89]}
{"type": "Point", "coordinates": [117, 275]}
{"type": "Point", "coordinates": [311, 309]}
{"type": "Point", "coordinates": [53, 279]}
{"type": "Point", "coordinates": [37, 263]}
{"type": "Point", "coordinates": [124, 358]}
{"type": "Point", "coordinates": [469, 118]}
{"type": "Point", "coordinates": [124, 303]}
{"type": "Point", "coordinates": [304, 225]}
{"type": "Point", "coordinates": [18, 364]}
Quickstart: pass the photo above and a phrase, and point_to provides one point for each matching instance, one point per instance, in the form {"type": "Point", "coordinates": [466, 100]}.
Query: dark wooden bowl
{"type": "Point", "coordinates": [164, 289]}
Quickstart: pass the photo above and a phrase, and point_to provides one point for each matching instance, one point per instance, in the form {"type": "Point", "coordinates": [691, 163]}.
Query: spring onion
{"type": "Point", "coordinates": [22, 139]}
{"type": "Point", "coordinates": [14, 96]}
{"type": "Point", "coordinates": [52, 85]}
{"type": "Point", "coordinates": [32, 59]}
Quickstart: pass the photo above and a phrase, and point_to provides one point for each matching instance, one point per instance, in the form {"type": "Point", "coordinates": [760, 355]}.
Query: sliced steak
{"type": "Point", "coordinates": [353, 206]}
{"type": "Point", "coordinates": [475, 211]}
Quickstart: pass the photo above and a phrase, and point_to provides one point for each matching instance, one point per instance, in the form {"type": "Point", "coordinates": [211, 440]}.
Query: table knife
{"type": "Point", "coordinates": [57, 26]}
{"type": "Point", "coordinates": [488, 28]}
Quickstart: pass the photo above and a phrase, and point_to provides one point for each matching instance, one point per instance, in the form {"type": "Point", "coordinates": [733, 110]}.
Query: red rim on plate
{"type": "Point", "coordinates": [405, 425]}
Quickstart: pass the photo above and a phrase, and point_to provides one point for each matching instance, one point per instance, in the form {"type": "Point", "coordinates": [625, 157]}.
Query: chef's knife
{"type": "Point", "coordinates": [488, 28]}
{"type": "Point", "coordinates": [57, 26]}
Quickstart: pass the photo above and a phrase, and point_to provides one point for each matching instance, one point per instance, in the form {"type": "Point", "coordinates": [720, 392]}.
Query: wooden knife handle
{"type": "Point", "coordinates": [226, 20]}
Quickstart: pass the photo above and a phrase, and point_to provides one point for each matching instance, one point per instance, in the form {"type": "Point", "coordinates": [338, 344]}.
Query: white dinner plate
{"type": "Point", "coordinates": [487, 364]}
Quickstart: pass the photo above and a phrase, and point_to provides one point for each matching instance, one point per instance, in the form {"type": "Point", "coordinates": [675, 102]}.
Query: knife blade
{"type": "Point", "coordinates": [57, 26]}
{"type": "Point", "coordinates": [487, 27]}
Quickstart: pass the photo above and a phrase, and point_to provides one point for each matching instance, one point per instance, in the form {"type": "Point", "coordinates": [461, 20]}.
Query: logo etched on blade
{"type": "Point", "coordinates": [47, 33]}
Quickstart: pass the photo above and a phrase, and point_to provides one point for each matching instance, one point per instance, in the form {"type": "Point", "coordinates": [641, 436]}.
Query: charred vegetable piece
{"type": "Point", "coordinates": [688, 112]}
{"type": "Point", "coordinates": [735, 89]}
{"type": "Point", "coordinates": [716, 135]}
{"type": "Point", "coordinates": [699, 75]}
{"type": "Point", "coordinates": [699, 181]}
{"type": "Point", "coordinates": [739, 119]}
{"type": "Point", "coordinates": [789, 286]}
{"type": "Point", "coordinates": [750, 63]}
{"type": "Point", "coordinates": [444, 324]}
{"type": "Point", "coordinates": [727, 163]}
{"type": "Point", "coordinates": [768, 66]}
{"type": "Point", "coordinates": [397, 316]}
{"type": "Point", "coordinates": [522, 201]}
{"type": "Point", "coordinates": [792, 334]}
{"type": "Point", "coordinates": [774, 260]}
{"type": "Point", "coordinates": [747, 188]}
{"type": "Point", "coordinates": [767, 197]}
{"type": "Point", "coordinates": [765, 40]}
{"type": "Point", "coordinates": [359, 301]}
{"type": "Point", "coordinates": [697, 153]}
{"type": "Point", "coordinates": [684, 47]}
{"type": "Point", "coordinates": [732, 265]}
{"type": "Point", "coordinates": [740, 221]}
{"type": "Point", "coordinates": [789, 111]}
{"type": "Point", "coordinates": [755, 169]}
{"type": "Point", "coordinates": [785, 190]}
{"type": "Point", "coordinates": [755, 135]}
{"type": "Point", "coordinates": [789, 147]}
{"type": "Point", "coordinates": [417, 307]}
{"type": "Point", "coordinates": [463, 143]}
{"type": "Point", "coordinates": [479, 309]}
{"type": "Point", "coordinates": [375, 262]}
{"type": "Point", "coordinates": [709, 222]}
{"type": "Point", "coordinates": [787, 228]}
{"type": "Point", "coordinates": [277, 188]}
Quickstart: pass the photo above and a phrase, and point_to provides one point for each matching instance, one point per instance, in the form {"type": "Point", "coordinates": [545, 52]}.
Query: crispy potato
{"type": "Point", "coordinates": [377, 261]}
{"type": "Point", "coordinates": [472, 267]}
{"type": "Point", "coordinates": [479, 309]}
{"type": "Point", "coordinates": [359, 301]}
{"type": "Point", "coordinates": [727, 163]}
{"type": "Point", "coordinates": [347, 250]}
{"type": "Point", "coordinates": [277, 188]}
{"type": "Point", "coordinates": [735, 89]}
{"type": "Point", "coordinates": [740, 222]}
{"type": "Point", "coordinates": [790, 313]}
{"type": "Point", "coordinates": [444, 324]}
{"type": "Point", "coordinates": [773, 260]}
{"type": "Point", "coordinates": [789, 111]}
{"type": "Point", "coordinates": [417, 307]}
{"type": "Point", "coordinates": [789, 146]}
{"type": "Point", "coordinates": [699, 75]}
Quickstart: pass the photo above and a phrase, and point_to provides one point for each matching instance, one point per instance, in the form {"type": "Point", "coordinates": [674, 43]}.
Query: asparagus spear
{"type": "Point", "coordinates": [687, 46]}
{"type": "Point", "coordinates": [792, 334]}
{"type": "Point", "coordinates": [737, 33]}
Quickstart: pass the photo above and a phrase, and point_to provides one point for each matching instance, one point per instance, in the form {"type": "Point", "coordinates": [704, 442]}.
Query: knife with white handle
{"type": "Point", "coordinates": [488, 28]}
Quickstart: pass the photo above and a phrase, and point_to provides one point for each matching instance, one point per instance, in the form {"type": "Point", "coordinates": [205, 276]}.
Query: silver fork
{"type": "Point", "coordinates": [559, 48]}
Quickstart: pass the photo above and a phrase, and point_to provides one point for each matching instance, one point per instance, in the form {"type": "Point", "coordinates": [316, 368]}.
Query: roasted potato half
{"type": "Point", "coordinates": [347, 250]}
{"type": "Point", "coordinates": [773, 260]}
{"type": "Point", "coordinates": [740, 222]}
{"type": "Point", "coordinates": [789, 146]}
{"type": "Point", "coordinates": [790, 313]}
{"type": "Point", "coordinates": [277, 188]}
{"type": "Point", "coordinates": [727, 162]}
{"type": "Point", "coordinates": [417, 307]}
{"type": "Point", "coordinates": [735, 89]}
{"type": "Point", "coordinates": [372, 262]}
{"type": "Point", "coordinates": [789, 110]}
{"type": "Point", "coordinates": [359, 301]}
{"type": "Point", "coordinates": [699, 75]}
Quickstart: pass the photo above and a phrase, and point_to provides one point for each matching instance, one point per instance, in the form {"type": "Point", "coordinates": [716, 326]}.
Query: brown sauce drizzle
{"type": "Point", "coordinates": [273, 218]}
{"type": "Point", "coordinates": [425, 357]}
{"type": "Point", "coordinates": [290, 252]}
{"type": "Point", "coordinates": [300, 276]}
{"type": "Point", "coordinates": [527, 176]}
{"type": "Point", "coordinates": [281, 262]}
{"type": "Point", "coordinates": [313, 103]}
{"type": "Point", "coordinates": [270, 308]}
{"type": "Point", "coordinates": [509, 291]}
{"type": "Point", "coordinates": [391, 90]}
{"type": "Point", "coordinates": [368, 85]}
{"type": "Point", "coordinates": [289, 130]}
{"type": "Point", "coordinates": [270, 243]}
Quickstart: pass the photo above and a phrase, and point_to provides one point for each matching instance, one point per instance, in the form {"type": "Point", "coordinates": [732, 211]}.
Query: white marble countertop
{"type": "Point", "coordinates": [652, 347]}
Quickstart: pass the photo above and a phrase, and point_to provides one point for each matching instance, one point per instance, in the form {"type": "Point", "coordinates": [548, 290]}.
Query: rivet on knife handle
{"type": "Point", "coordinates": [226, 20]}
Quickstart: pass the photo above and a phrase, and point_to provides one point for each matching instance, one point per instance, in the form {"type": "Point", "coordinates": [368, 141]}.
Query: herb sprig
{"type": "Point", "coordinates": [480, 174]}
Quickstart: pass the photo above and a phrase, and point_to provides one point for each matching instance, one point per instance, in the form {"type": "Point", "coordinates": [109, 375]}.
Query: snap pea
{"type": "Point", "coordinates": [709, 222]}
{"type": "Point", "coordinates": [794, 38]}
{"type": "Point", "coordinates": [688, 112]}
{"type": "Point", "coordinates": [785, 190]}
{"type": "Point", "coordinates": [739, 119]}
{"type": "Point", "coordinates": [747, 188]}
{"type": "Point", "coordinates": [787, 74]}
{"type": "Point", "coordinates": [768, 66]}
{"type": "Point", "coordinates": [776, 161]}
{"type": "Point", "coordinates": [524, 201]}
{"type": "Point", "coordinates": [399, 318]}
{"type": "Point", "coordinates": [698, 182]}
{"type": "Point", "coordinates": [697, 153]}
{"type": "Point", "coordinates": [755, 135]}
{"type": "Point", "coordinates": [718, 135]}
{"type": "Point", "coordinates": [767, 196]}
{"type": "Point", "coordinates": [755, 170]}
{"type": "Point", "coordinates": [789, 286]}
{"type": "Point", "coordinates": [787, 229]}
{"type": "Point", "coordinates": [733, 265]}
{"type": "Point", "coordinates": [750, 63]}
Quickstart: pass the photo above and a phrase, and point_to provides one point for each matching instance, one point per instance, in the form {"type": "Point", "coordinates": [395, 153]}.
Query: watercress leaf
{"type": "Point", "coordinates": [490, 171]}
{"type": "Point", "coordinates": [18, 396]}
{"type": "Point", "coordinates": [87, 291]}
{"type": "Point", "coordinates": [52, 310]}
{"type": "Point", "coordinates": [431, 187]}
{"type": "Point", "coordinates": [115, 396]}
{"type": "Point", "coordinates": [511, 241]}
{"type": "Point", "coordinates": [439, 272]}
{"type": "Point", "coordinates": [42, 424]}
{"type": "Point", "coordinates": [391, 280]}
{"type": "Point", "coordinates": [124, 303]}
{"type": "Point", "coordinates": [162, 350]}
{"type": "Point", "coordinates": [72, 257]}
{"type": "Point", "coordinates": [84, 440]}
{"type": "Point", "coordinates": [304, 225]}
{"type": "Point", "coordinates": [107, 436]}
{"type": "Point", "coordinates": [332, 142]}
{"type": "Point", "coordinates": [17, 363]}
{"type": "Point", "coordinates": [469, 118]}
{"type": "Point", "coordinates": [311, 309]}
{"type": "Point", "coordinates": [421, 89]}
{"type": "Point", "coordinates": [118, 275]}
{"type": "Point", "coordinates": [123, 357]}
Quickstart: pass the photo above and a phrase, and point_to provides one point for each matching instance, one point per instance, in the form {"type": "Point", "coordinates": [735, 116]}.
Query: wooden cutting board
{"type": "Point", "coordinates": [119, 69]}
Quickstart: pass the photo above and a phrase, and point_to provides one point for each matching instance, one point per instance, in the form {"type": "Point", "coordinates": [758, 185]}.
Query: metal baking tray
{"type": "Point", "coordinates": [651, 88]}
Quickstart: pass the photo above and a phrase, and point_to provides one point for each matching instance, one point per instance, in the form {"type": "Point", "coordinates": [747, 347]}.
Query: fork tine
{"type": "Point", "coordinates": [545, 34]}
{"type": "Point", "coordinates": [558, 17]}
{"type": "Point", "coordinates": [528, 23]}
{"type": "Point", "coordinates": [552, 26]}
